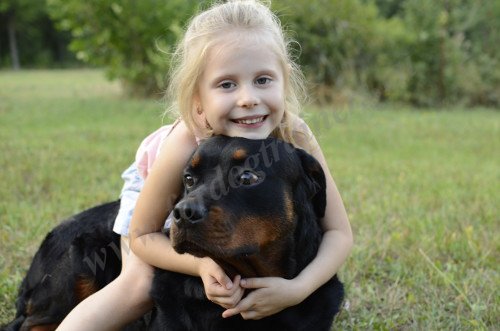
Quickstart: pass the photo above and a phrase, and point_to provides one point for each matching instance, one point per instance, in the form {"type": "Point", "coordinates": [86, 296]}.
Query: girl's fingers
{"type": "Point", "coordinates": [250, 315]}
{"type": "Point", "coordinates": [227, 303]}
{"type": "Point", "coordinates": [230, 312]}
{"type": "Point", "coordinates": [254, 282]}
{"type": "Point", "coordinates": [223, 279]}
{"type": "Point", "coordinates": [243, 305]}
{"type": "Point", "coordinates": [211, 269]}
{"type": "Point", "coordinates": [226, 298]}
{"type": "Point", "coordinates": [219, 290]}
{"type": "Point", "coordinates": [237, 280]}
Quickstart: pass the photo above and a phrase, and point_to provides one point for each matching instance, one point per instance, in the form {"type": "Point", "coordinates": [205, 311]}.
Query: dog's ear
{"type": "Point", "coordinates": [310, 203]}
{"type": "Point", "coordinates": [314, 181]}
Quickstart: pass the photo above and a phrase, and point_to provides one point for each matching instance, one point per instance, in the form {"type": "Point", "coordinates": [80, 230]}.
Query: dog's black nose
{"type": "Point", "coordinates": [188, 213]}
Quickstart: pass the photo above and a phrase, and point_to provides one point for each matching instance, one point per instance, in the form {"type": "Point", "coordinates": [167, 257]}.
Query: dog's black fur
{"type": "Point", "coordinates": [77, 258]}
{"type": "Point", "coordinates": [252, 205]}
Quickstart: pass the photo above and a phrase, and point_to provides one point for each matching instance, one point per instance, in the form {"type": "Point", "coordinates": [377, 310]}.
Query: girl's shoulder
{"type": "Point", "coordinates": [302, 135]}
{"type": "Point", "coordinates": [172, 138]}
{"type": "Point", "coordinates": [181, 134]}
{"type": "Point", "coordinates": [180, 143]}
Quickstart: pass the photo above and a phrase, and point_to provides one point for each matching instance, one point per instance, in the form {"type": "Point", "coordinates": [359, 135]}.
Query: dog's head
{"type": "Point", "coordinates": [251, 205]}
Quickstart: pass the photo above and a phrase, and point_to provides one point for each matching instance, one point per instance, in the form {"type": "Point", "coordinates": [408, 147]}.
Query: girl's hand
{"type": "Point", "coordinates": [271, 295]}
{"type": "Point", "coordinates": [218, 287]}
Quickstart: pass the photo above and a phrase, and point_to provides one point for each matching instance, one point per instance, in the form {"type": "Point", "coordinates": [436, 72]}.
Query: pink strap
{"type": "Point", "coordinates": [150, 148]}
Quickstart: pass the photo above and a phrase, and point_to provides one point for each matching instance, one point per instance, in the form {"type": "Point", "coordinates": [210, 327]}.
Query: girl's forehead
{"type": "Point", "coordinates": [241, 59]}
{"type": "Point", "coordinates": [239, 41]}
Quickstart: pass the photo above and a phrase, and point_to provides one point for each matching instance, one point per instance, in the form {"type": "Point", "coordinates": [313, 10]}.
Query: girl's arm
{"type": "Point", "coordinates": [275, 294]}
{"type": "Point", "coordinates": [162, 187]}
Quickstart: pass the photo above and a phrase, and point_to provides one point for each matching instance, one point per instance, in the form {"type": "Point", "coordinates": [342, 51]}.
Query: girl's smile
{"type": "Point", "coordinates": [250, 121]}
{"type": "Point", "coordinates": [241, 89]}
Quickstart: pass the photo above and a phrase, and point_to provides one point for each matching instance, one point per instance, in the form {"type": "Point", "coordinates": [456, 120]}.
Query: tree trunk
{"type": "Point", "coordinates": [11, 31]}
{"type": "Point", "coordinates": [443, 35]}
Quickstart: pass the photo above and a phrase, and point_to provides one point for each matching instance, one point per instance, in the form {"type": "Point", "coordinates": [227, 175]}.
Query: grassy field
{"type": "Point", "coordinates": [421, 188]}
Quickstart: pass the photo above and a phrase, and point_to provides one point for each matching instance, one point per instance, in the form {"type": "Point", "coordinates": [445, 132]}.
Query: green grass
{"type": "Point", "coordinates": [421, 189]}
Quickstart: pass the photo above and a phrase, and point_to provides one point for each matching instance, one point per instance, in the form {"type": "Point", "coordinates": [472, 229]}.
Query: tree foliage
{"type": "Point", "coordinates": [333, 36]}
{"type": "Point", "coordinates": [347, 46]}
{"type": "Point", "coordinates": [454, 51]}
{"type": "Point", "coordinates": [130, 38]}
{"type": "Point", "coordinates": [426, 52]}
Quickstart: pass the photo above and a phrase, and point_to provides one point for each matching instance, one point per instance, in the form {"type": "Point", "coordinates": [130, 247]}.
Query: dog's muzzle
{"type": "Point", "coordinates": [188, 212]}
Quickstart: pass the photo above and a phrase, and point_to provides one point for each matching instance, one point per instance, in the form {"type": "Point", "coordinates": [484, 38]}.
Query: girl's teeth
{"type": "Point", "coordinates": [251, 121]}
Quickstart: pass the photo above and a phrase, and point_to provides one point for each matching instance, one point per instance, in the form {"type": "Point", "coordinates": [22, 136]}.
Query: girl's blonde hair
{"type": "Point", "coordinates": [204, 30]}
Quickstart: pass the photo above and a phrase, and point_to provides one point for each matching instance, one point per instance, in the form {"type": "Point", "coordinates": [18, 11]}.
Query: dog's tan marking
{"type": "Point", "coordinates": [267, 234]}
{"type": "Point", "coordinates": [255, 231]}
{"type": "Point", "coordinates": [218, 228]}
{"type": "Point", "coordinates": [84, 287]}
{"type": "Point", "coordinates": [289, 212]}
{"type": "Point", "coordinates": [239, 154]}
{"type": "Point", "coordinates": [29, 308]}
{"type": "Point", "coordinates": [195, 160]}
{"type": "Point", "coordinates": [217, 214]}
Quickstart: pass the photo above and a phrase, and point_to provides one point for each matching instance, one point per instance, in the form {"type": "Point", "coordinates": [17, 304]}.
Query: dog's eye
{"type": "Point", "coordinates": [188, 181]}
{"type": "Point", "coordinates": [247, 178]}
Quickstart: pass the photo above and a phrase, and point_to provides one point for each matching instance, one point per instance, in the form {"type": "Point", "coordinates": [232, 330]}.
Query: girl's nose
{"type": "Point", "coordinates": [248, 97]}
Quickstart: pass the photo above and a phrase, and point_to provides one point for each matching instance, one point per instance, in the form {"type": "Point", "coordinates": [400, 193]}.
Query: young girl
{"type": "Point", "coordinates": [233, 76]}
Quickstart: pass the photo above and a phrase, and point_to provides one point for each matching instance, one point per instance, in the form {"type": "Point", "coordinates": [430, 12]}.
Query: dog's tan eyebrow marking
{"type": "Point", "coordinates": [239, 154]}
{"type": "Point", "coordinates": [195, 160]}
{"type": "Point", "coordinates": [29, 307]}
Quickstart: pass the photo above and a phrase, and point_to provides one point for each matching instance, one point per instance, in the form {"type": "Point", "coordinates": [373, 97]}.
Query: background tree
{"type": "Point", "coordinates": [131, 39]}
{"type": "Point", "coordinates": [390, 8]}
{"type": "Point", "coordinates": [454, 51]}
{"type": "Point", "coordinates": [16, 14]}
{"type": "Point", "coordinates": [28, 37]}
{"type": "Point", "coordinates": [425, 52]}
{"type": "Point", "coordinates": [346, 46]}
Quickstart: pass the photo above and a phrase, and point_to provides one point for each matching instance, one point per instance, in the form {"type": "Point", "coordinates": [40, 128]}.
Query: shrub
{"type": "Point", "coordinates": [130, 38]}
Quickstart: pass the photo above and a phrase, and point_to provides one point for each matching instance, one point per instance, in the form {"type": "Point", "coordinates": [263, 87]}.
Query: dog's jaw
{"type": "Point", "coordinates": [245, 265]}
{"type": "Point", "coordinates": [271, 261]}
{"type": "Point", "coordinates": [251, 266]}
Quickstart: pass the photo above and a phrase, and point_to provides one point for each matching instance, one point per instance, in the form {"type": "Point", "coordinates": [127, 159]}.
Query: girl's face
{"type": "Point", "coordinates": [241, 90]}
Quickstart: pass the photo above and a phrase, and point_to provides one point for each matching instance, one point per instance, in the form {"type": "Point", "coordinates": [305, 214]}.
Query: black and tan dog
{"type": "Point", "coordinates": [251, 205]}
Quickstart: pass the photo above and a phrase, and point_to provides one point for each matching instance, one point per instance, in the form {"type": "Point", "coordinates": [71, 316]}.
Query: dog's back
{"type": "Point", "coordinates": [77, 258]}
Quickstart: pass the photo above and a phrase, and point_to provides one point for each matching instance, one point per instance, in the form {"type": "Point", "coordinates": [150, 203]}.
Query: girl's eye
{"type": "Point", "coordinates": [247, 178]}
{"type": "Point", "coordinates": [188, 181]}
{"type": "Point", "coordinates": [263, 80]}
{"type": "Point", "coordinates": [226, 85]}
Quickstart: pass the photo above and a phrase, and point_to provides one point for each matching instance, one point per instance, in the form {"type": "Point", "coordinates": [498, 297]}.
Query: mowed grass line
{"type": "Point", "coordinates": [421, 189]}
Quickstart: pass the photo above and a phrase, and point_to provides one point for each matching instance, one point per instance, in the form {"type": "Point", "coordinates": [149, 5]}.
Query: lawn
{"type": "Point", "coordinates": [421, 188]}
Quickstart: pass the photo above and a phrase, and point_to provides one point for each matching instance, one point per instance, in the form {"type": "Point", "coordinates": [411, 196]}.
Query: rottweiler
{"type": "Point", "coordinates": [251, 205]}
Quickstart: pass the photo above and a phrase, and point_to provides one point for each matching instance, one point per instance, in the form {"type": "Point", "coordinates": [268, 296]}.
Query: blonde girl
{"type": "Point", "coordinates": [233, 75]}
